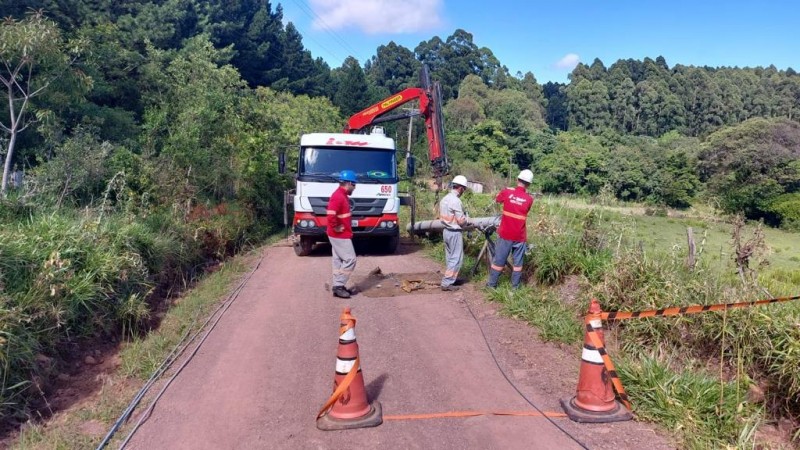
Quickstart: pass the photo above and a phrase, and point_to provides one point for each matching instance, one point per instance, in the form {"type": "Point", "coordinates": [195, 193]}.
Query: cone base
{"type": "Point", "coordinates": [578, 414]}
{"type": "Point", "coordinates": [371, 419]}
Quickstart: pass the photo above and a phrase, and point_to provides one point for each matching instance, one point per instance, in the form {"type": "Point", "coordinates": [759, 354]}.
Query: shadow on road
{"type": "Point", "coordinates": [368, 247]}
{"type": "Point", "coordinates": [375, 386]}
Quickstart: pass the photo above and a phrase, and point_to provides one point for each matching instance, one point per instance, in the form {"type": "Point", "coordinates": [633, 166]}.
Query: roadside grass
{"type": "Point", "coordinates": [556, 321]}
{"type": "Point", "coordinates": [81, 428]}
{"type": "Point", "coordinates": [81, 276]}
{"type": "Point", "coordinates": [701, 410]}
{"type": "Point", "coordinates": [632, 257]}
{"type": "Point", "coordinates": [139, 358]}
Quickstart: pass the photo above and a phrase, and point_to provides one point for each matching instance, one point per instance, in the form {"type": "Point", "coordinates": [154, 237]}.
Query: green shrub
{"type": "Point", "coordinates": [556, 251]}
{"type": "Point", "coordinates": [786, 208]}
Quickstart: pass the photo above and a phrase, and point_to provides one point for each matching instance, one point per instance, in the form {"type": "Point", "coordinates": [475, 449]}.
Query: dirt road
{"type": "Point", "coordinates": [260, 378]}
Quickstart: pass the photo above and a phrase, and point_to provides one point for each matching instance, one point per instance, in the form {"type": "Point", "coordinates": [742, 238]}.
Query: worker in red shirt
{"type": "Point", "coordinates": [512, 233]}
{"type": "Point", "coordinates": [340, 233]}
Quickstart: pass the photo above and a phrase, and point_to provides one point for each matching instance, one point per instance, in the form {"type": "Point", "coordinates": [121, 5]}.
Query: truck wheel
{"type": "Point", "coordinates": [390, 244]}
{"type": "Point", "coordinates": [303, 246]}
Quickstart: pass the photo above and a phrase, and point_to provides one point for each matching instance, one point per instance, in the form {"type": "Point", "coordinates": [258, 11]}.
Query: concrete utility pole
{"type": "Point", "coordinates": [410, 127]}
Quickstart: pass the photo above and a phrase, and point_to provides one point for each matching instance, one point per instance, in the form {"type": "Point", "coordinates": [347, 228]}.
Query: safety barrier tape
{"type": "Point", "coordinates": [340, 390]}
{"type": "Point", "coordinates": [452, 414]}
{"type": "Point", "coordinates": [348, 323]}
{"type": "Point", "coordinates": [694, 309]}
{"type": "Point", "coordinates": [664, 312]}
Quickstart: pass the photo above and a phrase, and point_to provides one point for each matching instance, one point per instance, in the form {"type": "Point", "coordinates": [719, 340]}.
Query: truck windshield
{"type": "Point", "coordinates": [370, 165]}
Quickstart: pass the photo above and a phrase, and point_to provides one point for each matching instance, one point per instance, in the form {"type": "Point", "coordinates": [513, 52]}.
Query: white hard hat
{"type": "Point", "coordinates": [460, 180]}
{"type": "Point", "coordinates": [526, 176]}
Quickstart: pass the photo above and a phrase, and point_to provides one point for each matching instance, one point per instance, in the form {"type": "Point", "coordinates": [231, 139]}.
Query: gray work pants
{"type": "Point", "coordinates": [453, 254]}
{"type": "Point", "coordinates": [502, 249]}
{"type": "Point", "coordinates": [344, 260]}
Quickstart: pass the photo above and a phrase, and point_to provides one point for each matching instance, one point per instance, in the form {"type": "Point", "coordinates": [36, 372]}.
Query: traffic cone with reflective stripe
{"type": "Point", "coordinates": [595, 401]}
{"type": "Point", "coordinates": [348, 406]}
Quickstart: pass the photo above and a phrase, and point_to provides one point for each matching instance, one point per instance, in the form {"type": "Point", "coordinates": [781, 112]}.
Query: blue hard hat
{"type": "Point", "coordinates": [348, 175]}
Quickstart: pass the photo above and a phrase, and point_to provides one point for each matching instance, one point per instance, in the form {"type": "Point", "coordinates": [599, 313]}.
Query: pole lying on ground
{"type": "Point", "coordinates": [436, 226]}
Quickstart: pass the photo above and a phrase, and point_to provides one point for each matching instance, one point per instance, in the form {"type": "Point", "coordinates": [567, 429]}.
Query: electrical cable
{"type": "Point", "coordinates": [497, 363]}
{"type": "Point", "coordinates": [169, 381]}
{"type": "Point", "coordinates": [176, 352]}
{"type": "Point", "coordinates": [309, 11]}
{"type": "Point", "coordinates": [132, 405]}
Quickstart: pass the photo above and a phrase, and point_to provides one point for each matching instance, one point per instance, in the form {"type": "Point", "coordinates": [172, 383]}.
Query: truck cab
{"type": "Point", "coordinates": [374, 202]}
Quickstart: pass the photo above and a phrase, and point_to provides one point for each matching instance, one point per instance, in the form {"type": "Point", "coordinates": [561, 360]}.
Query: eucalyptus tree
{"type": "Point", "coordinates": [34, 55]}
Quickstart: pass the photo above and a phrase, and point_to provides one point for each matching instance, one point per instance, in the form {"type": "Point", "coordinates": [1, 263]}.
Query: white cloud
{"type": "Point", "coordinates": [568, 62]}
{"type": "Point", "coordinates": [378, 16]}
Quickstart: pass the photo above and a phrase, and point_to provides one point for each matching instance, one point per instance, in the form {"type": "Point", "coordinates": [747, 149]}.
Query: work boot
{"type": "Point", "coordinates": [450, 288]}
{"type": "Point", "coordinates": [352, 291]}
{"type": "Point", "coordinates": [340, 291]}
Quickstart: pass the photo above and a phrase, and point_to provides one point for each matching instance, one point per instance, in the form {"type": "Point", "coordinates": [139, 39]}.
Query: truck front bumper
{"type": "Point", "coordinates": [357, 231]}
{"type": "Point", "coordinates": [306, 224]}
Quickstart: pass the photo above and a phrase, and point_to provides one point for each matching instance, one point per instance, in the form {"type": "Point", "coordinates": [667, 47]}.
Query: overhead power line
{"type": "Point", "coordinates": [328, 29]}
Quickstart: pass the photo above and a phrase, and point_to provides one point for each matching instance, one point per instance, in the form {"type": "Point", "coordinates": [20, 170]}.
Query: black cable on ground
{"type": "Point", "coordinates": [176, 352]}
{"type": "Point", "coordinates": [497, 363]}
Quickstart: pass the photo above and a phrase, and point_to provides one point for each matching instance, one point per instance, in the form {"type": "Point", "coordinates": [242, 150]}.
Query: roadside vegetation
{"type": "Point", "coordinates": [141, 144]}
{"type": "Point", "coordinates": [138, 360]}
{"type": "Point", "coordinates": [718, 379]}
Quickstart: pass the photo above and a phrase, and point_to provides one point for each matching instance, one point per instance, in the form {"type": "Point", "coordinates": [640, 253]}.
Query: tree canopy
{"type": "Point", "coordinates": [177, 79]}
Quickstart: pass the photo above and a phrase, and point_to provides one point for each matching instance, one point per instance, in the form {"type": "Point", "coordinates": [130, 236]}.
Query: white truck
{"type": "Point", "coordinates": [375, 202]}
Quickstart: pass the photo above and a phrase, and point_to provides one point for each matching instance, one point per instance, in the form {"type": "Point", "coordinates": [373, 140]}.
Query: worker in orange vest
{"type": "Point", "coordinates": [512, 233]}
{"type": "Point", "coordinates": [340, 234]}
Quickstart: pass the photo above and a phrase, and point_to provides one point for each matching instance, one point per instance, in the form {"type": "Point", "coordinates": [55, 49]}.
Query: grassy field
{"type": "Point", "coordinates": [667, 233]}
{"type": "Point", "coordinates": [665, 228]}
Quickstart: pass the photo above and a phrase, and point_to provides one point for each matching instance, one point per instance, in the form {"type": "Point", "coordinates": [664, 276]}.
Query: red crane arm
{"type": "Point", "coordinates": [430, 107]}
{"type": "Point", "coordinates": [367, 116]}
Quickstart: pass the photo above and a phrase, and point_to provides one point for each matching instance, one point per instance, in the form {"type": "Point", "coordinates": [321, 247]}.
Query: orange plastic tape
{"type": "Point", "coordinates": [347, 321]}
{"type": "Point", "coordinates": [609, 365]}
{"type": "Point", "coordinates": [694, 309]}
{"type": "Point", "coordinates": [348, 379]}
{"type": "Point", "coordinates": [452, 414]}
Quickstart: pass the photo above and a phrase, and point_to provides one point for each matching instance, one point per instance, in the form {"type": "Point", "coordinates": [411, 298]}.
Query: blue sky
{"type": "Point", "coordinates": [548, 38]}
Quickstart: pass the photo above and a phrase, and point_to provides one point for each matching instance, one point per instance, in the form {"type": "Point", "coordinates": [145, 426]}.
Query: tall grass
{"type": "Point", "coordinates": [556, 321]}
{"type": "Point", "coordinates": [140, 356]}
{"type": "Point", "coordinates": [690, 373]}
{"type": "Point", "coordinates": [69, 276]}
{"type": "Point", "coordinates": [759, 345]}
{"type": "Point", "coordinates": [701, 411]}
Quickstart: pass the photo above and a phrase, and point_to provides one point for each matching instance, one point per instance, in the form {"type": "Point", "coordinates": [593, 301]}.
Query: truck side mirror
{"type": "Point", "coordinates": [411, 166]}
{"type": "Point", "coordinates": [282, 162]}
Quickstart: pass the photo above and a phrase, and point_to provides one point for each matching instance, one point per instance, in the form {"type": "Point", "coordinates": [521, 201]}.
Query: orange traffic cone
{"type": "Point", "coordinates": [595, 401]}
{"type": "Point", "coordinates": [348, 406]}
